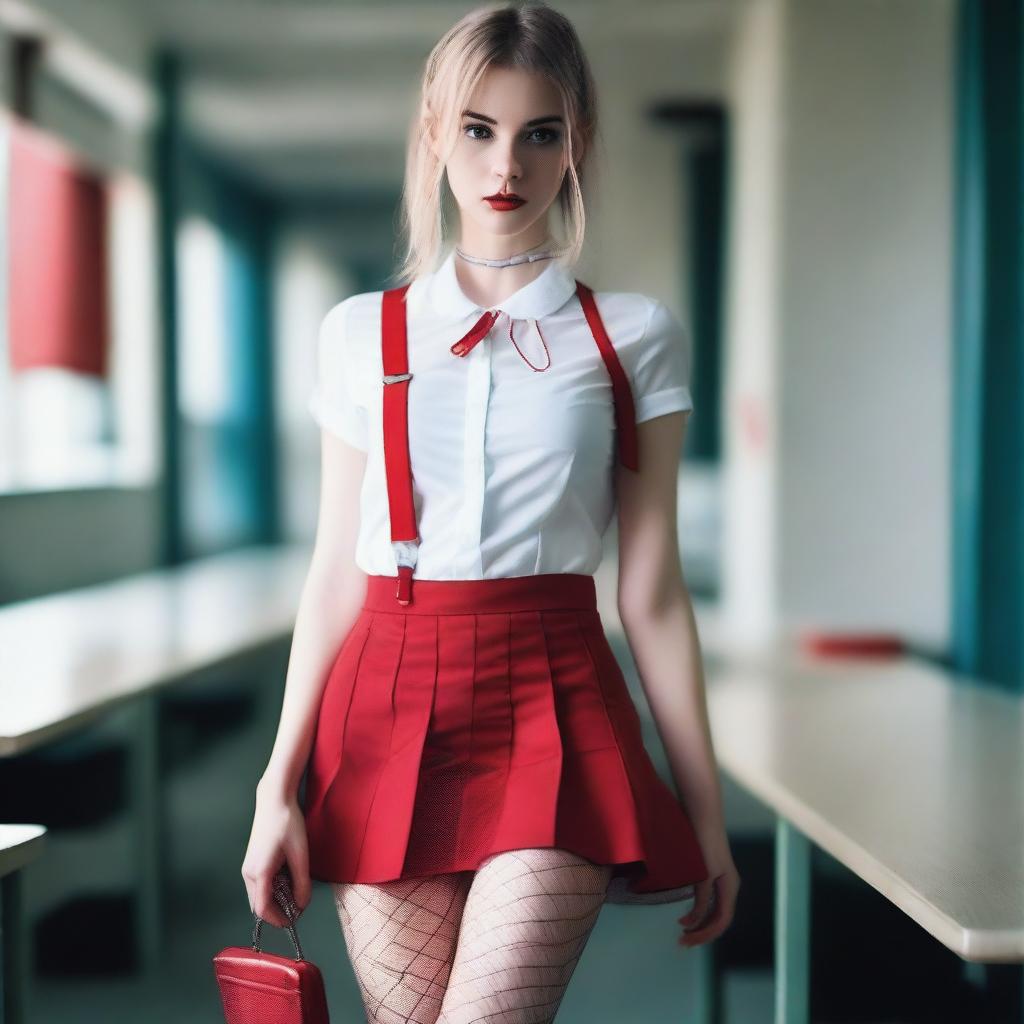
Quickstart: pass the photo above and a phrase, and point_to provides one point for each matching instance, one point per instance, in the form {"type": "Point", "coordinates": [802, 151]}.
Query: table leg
{"type": "Point", "coordinates": [14, 934]}
{"type": "Point", "coordinates": [792, 924]}
{"type": "Point", "coordinates": [146, 814]}
{"type": "Point", "coordinates": [706, 1009]}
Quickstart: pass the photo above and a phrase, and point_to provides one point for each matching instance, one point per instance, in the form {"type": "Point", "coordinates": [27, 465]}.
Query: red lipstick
{"type": "Point", "coordinates": [505, 201]}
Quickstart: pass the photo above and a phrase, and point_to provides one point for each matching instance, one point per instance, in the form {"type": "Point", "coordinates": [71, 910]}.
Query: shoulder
{"type": "Point", "coordinates": [349, 341]}
{"type": "Point", "coordinates": [637, 322]}
{"type": "Point", "coordinates": [349, 317]}
{"type": "Point", "coordinates": [654, 349]}
{"type": "Point", "coordinates": [357, 319]}
{"type": "Point", "coordinates": [350, 329]}
{"type": "Point", "coordinates": [634, 306]}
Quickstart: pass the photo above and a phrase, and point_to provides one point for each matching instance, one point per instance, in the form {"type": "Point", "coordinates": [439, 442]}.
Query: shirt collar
{"type": "Point", "coordinates": [542, 296]}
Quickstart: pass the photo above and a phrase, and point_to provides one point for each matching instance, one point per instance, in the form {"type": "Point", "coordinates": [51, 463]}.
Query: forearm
{"type": "Point", "coordinates": [666, 649]}
{"type": "Point", "coordinates": [328, 608]}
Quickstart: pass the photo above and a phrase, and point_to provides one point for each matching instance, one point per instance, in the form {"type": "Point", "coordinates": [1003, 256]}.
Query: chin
{"type": "Point", "coordinates": [502, 227]}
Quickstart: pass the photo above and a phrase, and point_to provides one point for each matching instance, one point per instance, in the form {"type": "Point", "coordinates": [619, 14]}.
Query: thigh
{"type": "Point", "coordinates": [528, 916]}
{"type": "Point", "coordinates": [401, 939]}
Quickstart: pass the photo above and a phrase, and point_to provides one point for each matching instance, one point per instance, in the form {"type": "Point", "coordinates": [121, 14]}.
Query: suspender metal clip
{"type": "Point", "coordinates": [406, 552]}
{"type": "Point", "coordinates": [395, 378]}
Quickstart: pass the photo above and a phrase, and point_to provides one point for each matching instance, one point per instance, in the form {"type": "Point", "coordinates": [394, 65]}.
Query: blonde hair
{"type": "Point", "coordinates": [524, 36]}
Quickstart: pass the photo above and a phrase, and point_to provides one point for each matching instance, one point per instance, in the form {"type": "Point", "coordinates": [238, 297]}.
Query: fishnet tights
{"type": "Point", "coordinates": [495, 946]}
{"type": "Point", "coordinates": [401, 936]}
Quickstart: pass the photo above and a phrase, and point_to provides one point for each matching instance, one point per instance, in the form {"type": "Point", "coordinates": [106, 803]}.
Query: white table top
{"type": "Point", "coordinates": [912, 780]}
{"type": "Point", "coordinates": [19, 844]}
{"type": "Point", "coordinates": [66, 657]}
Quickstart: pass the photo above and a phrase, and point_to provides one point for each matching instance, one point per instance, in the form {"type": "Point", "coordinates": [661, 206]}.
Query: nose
{"type": "Point", "coordinates": [506, 165]}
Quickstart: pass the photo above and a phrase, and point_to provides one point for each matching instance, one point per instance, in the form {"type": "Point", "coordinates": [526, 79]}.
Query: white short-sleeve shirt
{"type": "Point", "coordinates": [512, 467]}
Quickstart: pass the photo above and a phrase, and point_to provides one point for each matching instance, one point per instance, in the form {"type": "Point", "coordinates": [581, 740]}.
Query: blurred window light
{"type": "Point", "coordinates": [75, 345]}
{"type": "Point", "coordinates": [203, 353]}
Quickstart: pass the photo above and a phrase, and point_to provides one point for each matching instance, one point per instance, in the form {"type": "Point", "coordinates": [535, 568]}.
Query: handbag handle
{"type": "Point", "coordinates": [283, 896]}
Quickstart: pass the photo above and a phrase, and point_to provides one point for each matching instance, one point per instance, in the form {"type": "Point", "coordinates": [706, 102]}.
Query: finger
{"type": "Point", "coordinates": [266, 905]}
{"type": "Point", "coordinates": [703, 893]}
{"type": "Point", "coordinates": [693, 915]}
{"type": "Point", "coordinates": [284, 894]}
{"type": "Point", "coordinates": [709, 928]}
{"type": "Point", "coordinates": [699, 937]}
{"type": "Point", "coordinates": [711, 923]}
{"type": "Point", "coordinates": [700, 903]}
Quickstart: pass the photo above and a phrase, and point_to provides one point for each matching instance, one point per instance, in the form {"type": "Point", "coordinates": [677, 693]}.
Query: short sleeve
{"type": "Point", "coordinates": [331, 402]}
{"type": "Point", "coordinates": [661, 376]}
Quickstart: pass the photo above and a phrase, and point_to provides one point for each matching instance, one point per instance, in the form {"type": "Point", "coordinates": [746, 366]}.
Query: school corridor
{"type": "Point", "coordinates": [828, 194]}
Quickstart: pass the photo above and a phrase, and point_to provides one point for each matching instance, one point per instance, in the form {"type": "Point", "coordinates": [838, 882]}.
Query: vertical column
{"type": "Point", "coordinates": [987, 407]}
{"type": "Point", "coordinates": [166, 164]}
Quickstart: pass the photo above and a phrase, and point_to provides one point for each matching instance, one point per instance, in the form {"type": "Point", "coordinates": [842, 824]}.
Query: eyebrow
{"type": "Point", "coordinates": [529, 124]}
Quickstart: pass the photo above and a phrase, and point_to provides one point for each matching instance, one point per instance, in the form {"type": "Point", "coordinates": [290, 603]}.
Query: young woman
{"type": "Point", "coordinates": [477, 786]}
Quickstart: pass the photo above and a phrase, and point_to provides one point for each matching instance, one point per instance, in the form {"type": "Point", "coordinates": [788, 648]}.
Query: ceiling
{"type": "Point", "coordinates": [307, 97]}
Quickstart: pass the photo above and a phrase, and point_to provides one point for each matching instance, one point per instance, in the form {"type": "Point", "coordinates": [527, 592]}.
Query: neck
{"type": "Point", "coordinates": [490, 286]}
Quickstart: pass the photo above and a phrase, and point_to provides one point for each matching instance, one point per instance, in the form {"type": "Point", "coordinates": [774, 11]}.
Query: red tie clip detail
{"type": "Point", "coordinates": [478, 331]}
{"type": "Point", "coordinates": [481, 329]}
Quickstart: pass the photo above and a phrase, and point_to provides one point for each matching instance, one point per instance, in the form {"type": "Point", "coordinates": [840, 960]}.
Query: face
{"type": "Point", "coordinates": [511, 140]}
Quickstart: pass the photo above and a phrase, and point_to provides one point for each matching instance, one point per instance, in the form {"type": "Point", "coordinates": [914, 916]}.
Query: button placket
{"type": "Point", "coordinates": [478, 387]}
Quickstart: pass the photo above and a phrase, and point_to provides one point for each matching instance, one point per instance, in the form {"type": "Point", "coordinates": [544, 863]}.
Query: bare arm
{"type": "Point", "coordinates": [329, 605]}
{"type": "Point", "coordinates": [657, 616]}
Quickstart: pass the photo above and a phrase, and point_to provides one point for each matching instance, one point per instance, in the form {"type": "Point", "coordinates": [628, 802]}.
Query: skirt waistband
{"type": "Point", "coordinates": [554, 590]}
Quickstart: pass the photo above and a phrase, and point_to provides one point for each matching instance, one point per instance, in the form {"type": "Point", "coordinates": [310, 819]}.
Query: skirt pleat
{"type": "Point", "coordinates": [529, 803]}
{"type": "Point", "coordinates": [491, 716]}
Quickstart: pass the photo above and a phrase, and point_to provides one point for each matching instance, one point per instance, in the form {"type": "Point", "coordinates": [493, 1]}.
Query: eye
{"type": "Point", "coordinates": [549, 135]}
{"type": "Point", "coordinates": [546, 134]}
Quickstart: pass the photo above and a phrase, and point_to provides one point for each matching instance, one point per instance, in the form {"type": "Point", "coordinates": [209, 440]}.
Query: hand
{"type": "Point", "coordinates": [278, 837]}
{"type": "Point", "coordinates": [715, 899]}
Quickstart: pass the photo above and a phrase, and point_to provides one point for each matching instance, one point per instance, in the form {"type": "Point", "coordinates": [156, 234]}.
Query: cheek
{"type": "Point", "coordinates": [462, 168]}
{"type": "Point", "coordinates": [551, 165]}
{"type": "Point", "coordinates": [459, 163]}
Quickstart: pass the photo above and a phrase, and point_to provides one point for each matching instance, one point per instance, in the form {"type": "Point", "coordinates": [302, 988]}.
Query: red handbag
{"type": "Point", "coordinates": [257, 987]}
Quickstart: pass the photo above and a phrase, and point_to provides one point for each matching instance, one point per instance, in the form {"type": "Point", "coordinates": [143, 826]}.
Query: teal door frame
{"type": "Point", "coordinates": [987, 607]}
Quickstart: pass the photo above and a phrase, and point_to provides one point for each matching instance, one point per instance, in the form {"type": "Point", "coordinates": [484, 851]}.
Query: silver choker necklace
{"type": "Point", "coordinates": [512, 261]}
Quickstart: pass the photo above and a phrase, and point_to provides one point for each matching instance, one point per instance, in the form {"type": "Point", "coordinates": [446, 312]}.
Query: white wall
{"type": "Point", "coordinates": [636, 234]}
{"type": "Point", "coordinates": [750, 400]}
{"type": "Point", "coordinates": [840, 282]}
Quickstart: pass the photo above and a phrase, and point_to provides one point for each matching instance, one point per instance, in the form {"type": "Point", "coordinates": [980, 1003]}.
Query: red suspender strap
{"type": "Point", "coordinates": [397, 468]}
{"type": "Point", "coordinates": [625, 414]}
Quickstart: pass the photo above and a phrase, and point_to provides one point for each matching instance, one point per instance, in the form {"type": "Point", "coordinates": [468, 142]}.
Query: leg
{"type": "Point", "coordinates": [528, 916]}
{"type": "Point", "coordinates": [401, 938]}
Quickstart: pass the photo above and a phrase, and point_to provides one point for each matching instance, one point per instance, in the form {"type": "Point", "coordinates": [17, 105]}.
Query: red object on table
{"type": "Point", "coordinates": [852, 645]}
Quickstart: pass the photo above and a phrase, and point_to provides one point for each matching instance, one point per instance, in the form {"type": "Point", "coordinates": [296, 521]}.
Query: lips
{"type": "Point", "coordinates": [505, 201]}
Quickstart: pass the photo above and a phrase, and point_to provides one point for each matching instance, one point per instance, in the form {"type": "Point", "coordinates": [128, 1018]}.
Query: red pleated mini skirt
{"type": "Point", "coordinates": [488, 715]}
